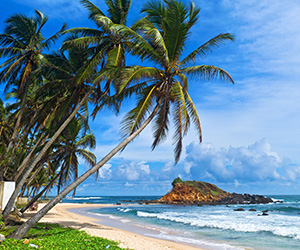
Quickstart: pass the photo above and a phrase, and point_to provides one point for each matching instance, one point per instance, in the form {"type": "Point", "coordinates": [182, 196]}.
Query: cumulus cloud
{"type": "Point", "coordinates": [130, 171]}
{"type": "Point", "coordinates": [105, 172]}
{"type": "Point", "coordinates": [254, 163]}
{"type": "Point", "coordinates": [255, 168]}
{"type": "Point", "coordinates": [204, 162]}
{"type": "Point", "coordinates": [292, 173]}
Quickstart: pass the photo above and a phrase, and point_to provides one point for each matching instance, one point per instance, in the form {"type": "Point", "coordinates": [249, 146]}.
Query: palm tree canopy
{"type": "Point", "coordinates": [72, 144]}
{"type": "Point", "coordinates": [161, 38]}
{"type": "Point", "coordinates": [105, 45]}
{"type": "Point", "coordinates": [117, 10]}
{"type": "Point", "coordinates": [22, 44]}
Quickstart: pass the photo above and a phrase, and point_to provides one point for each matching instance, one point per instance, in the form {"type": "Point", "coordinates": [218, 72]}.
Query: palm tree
{"type": "Point", "coordinates": [105, 43]}
{"type": "Point", "coordinates": [113, 57]}
{"type": "Point", "coordinates": [71, 145]}
{"type": "Point", "coordinates": [23, 45]}
{"type": "Point", "coordinates": [6, 130]}
{"type": "Point", "coordinates": [165, 30]}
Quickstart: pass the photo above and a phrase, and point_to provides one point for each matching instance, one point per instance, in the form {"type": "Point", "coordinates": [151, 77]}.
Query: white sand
{"type": "Point", "coordinates": [60, 214]}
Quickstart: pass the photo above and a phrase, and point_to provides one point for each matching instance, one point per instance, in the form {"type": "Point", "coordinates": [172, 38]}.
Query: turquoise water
{"type": "Point", "coordinates": [212, 227]}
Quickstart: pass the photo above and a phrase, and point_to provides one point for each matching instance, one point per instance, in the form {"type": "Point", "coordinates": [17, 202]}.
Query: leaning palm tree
{"type": "Point", "coordinates": [70, 145]}
{"type": "Point", "coordinates": [113, 57]}
{"type": "Point", "coordinates": [164, 33]}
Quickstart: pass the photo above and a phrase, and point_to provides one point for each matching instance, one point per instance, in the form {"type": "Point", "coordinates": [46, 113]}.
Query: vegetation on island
{"type": "Point", "coordinates": [203, 187]}
{"type": "Point", "coordinates": [44, 125]}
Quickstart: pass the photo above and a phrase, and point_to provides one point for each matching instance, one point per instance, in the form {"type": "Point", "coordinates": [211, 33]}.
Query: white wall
{"type": "Point", "coordinates": [6, 190]}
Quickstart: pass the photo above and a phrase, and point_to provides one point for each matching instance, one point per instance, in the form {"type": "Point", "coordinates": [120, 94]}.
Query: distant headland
{"type": "Point", "coordinates": [203, 193]}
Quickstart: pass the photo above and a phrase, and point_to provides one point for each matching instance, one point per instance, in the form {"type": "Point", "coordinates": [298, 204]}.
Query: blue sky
{"type": "Point", "coordinates": [251, 137]}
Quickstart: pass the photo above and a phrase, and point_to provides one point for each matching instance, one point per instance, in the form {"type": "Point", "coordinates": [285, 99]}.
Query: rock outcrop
{"type": "Point", "coordinates": [201, 193]}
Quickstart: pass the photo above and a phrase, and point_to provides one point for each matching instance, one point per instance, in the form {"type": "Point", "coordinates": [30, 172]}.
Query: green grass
{"type": "Point", "coordinates": [203, 187]}
{"type": "Point", "coordinates": [53, 236]}
{"type": "Point", "coordinates": [214, 193]}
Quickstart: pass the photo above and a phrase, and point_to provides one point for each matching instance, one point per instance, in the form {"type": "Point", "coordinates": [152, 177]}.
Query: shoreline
{"type": "Point", "coordinates": [62, 215]}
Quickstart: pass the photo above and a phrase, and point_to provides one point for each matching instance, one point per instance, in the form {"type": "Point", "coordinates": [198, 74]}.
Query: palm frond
{"type": "Point", "coordinates": [184, 81]}
{"type": "Point", "coordinates": [89, 157]}
{"type": "Point", "coordinates": [193, 113]}
{"type": "Point", "coordinates": [41, 19]}
{"type": "Point", "coordinates": [176, 29]}
{"type": "Point", "coordinates": [88, 140]}
{"type": "Point", "coordinates": [178, 134]}
{"type": "Point", "coordinates": [81, 42]}
{"type": "Point", "coordinates": [178, 94]}
{"type": "Point", "coordinates": [137, 45]}
{"type": "Point", "coordinates": [115, 56]}
{"type": "Point", "coordinates": [88, 69]}
{"type": "Point", "coordinates": [89, 32]}
{"type": "Point", "coordinates": [155, 13]}
{"type": "Point", "coordinates": [154, 36]}
{"type": "Point", "coordinates": [46, 44]}
{"type": "Point", "coordinates": [136, 73]}
{"type": "Point", "coordinates": [161, 122]}
{"type": "Point", "coordinates": [12, 67]}
{"type": "Point", "coordinates": [207, 47]}
{"type": "Point", "coordinates": [93, 9]}
{"type": "Point", "coordinates": [118, 10]}
{"type": "Point", "coordinates": [208, 72]}
{"type": "Point", "coordinates": [136, 116]}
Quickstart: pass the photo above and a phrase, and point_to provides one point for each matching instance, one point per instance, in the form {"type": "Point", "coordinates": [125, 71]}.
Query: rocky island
{"type": "Point", "coordinates": [203, 193]}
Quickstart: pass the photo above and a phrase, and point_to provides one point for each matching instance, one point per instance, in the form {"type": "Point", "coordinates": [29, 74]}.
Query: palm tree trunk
{"type": "Point", "coordinates": [19, 185]}
{"type": "Point", "coordinates": [34, 199]}
{"type": "Point", "coordinates": [28, 158]}
{"type": "Point", "coordinates": [31, 178]}
{"type": "Point", "coordinates": [17, 125]}
{"type": "Point", "coordinates": [20, 232]}
{"type": "Point", "coordinates": [23, 139]}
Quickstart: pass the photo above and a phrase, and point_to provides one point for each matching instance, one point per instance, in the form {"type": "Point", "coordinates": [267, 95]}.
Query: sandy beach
{"type": "Point", "coordinates": [61, 214]}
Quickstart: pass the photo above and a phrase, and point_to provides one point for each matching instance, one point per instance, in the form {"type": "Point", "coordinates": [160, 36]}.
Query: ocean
{"type": "Point", "coordinates": [209, 227]}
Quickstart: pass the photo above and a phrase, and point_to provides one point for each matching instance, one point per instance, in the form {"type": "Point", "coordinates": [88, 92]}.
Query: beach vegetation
{"type": "Point", "coordinates": [53, 236]}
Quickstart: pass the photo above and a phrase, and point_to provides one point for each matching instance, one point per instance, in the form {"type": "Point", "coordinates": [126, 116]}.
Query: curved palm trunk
{"type": "Point", "coordinates": [39, 195]}
{"type": "Point", "coordinates": [14, 135]}
{"type": "Point", "coordinates": [28, 158]}
{"type": "Point", "coordinates": [24, 228]}
{"type": "Point", "coordinates": [24, 137]}
{"type": "Point", "coordinates": [17, 125]}
{"type": "Point", "coordinates": [10, 203]}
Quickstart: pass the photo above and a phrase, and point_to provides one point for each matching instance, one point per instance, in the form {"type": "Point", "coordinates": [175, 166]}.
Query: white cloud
{"type": "Point", "coordinates": [236, 183]}
{"type": "Point", "coordinates": [105, 171]}
{"type": "Point", "coordinates": [255, 163]}
{"type": "Point", "coordinates": [256, 168]}
{"type": "Point", "coordinates": [268, 32]}
{"type": "Point", "coordinates": [129, 184]}
{"type": "Point", "coordinates": [264, 62]}
{"type": "Point", "coordinates": [293, 173]}
{"type": "Point", "coordinates": [128, 171]}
